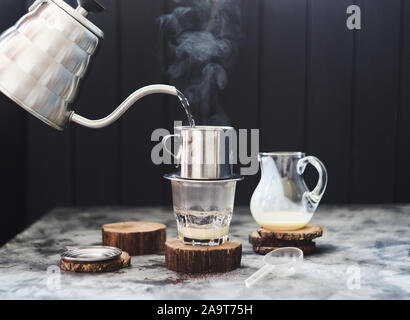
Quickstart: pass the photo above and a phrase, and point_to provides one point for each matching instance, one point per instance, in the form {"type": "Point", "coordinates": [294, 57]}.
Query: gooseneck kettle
{"type": "Point", "coordinates": [44, 56]}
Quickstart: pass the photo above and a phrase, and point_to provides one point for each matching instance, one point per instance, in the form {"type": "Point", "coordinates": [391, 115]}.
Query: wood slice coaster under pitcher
{"type": "Point", "coordinates": [184, 258]}
{"type": "Point", "coordinates": [135, 237]}
{"type": "Point", "coordinates": [264, 241]}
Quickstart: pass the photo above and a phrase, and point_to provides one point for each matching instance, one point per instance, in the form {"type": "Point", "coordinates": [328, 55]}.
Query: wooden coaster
{"type": "Point", "coordinates": [264, 241]}
{"type": "Point", "coordinates": [202, 259]}
{"type": "Point", "coordinates": [122, 261]}
{"type": "Point", "coordinates": [264, 236]}
{"type": "Point", "coordinates": [135, 237]}
{"type": "Point", "coordinates": [256, 241]}
{"type": "Point", "coordinates": [307, 249]}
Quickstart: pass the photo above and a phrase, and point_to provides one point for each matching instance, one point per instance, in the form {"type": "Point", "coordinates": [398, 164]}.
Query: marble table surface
{"type": "Point", "coordinates": [364, 254]}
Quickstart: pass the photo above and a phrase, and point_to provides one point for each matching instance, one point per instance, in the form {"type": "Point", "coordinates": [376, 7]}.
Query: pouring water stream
{"type": "Point", "coordinates": [185, 105]}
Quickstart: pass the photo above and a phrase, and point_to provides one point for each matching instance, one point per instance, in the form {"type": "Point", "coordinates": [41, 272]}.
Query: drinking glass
{"type": "Point", "coordinates": [203, 209]}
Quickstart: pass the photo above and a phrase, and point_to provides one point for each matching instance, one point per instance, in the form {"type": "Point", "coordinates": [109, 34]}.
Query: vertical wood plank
{"type": "Point", "coordinates": [282, 87]}
{"type": "Point", "coordinates": [13, 146]}
{"type": "Point", "coordinates": [403, 154]}
{"type": "Point", "coordinates": [329, 93]}
{"type": "Point", "coordinates": [375, 102]}
{"type": "Point", "coordinates": [240, 98]}
{"type": "Point", "coordinates": [142, 181]}
{"type": "Point", "coordinates": [50, 168]}
{"type": "Point", "coordinates": [97, 155]}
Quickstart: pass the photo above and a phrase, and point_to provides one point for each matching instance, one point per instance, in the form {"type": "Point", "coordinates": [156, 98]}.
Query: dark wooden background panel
{"type": "Point", "coordinates": [13, 144]}
{"type": "Point", "coordinates": [97, 158]}
{"type": "Point", "coordinates": [240, 98]}
{"type": "Point", "coordinates": [50, 168]}
{"type": "Point", "coordinates": [301, 77]}
{"type": "Point", "coordinates": [327, 134]}
{"type": "Point", "coordinates": [375, 102]}
{"type": "Point", "coordinates": [403, 129]}
{"type": "Point", "coordinates": [282, 74]}
{"type": "Point", "coordinates": [142, 181]}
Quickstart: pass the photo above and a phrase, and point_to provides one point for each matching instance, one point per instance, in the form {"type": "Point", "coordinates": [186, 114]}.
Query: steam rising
{"type": "Point", "coordinates": [202, 39]}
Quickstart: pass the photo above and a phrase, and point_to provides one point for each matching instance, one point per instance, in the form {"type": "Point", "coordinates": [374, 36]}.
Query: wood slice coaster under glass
{"type": "Point", "coordinates": [189, 259]}
{"type": "Point", "coordinates": [264, 241]}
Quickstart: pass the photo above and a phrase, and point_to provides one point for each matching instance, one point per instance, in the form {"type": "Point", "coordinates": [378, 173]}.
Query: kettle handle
{"type": "Point", "coordinates": [313, 197]}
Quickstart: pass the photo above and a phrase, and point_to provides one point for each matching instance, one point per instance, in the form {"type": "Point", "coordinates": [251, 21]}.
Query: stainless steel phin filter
{"type": "Point", "coordinates": [205, 152]}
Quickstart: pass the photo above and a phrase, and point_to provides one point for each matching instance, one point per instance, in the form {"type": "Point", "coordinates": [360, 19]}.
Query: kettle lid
{"type": "Point", "coordinates": [84, 6]}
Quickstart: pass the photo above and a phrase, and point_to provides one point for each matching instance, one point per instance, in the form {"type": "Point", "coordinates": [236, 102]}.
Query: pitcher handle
{"type": "Point", "coordinates": [313, 197]}
{"type": "Point", "coordinates": [164, 143]}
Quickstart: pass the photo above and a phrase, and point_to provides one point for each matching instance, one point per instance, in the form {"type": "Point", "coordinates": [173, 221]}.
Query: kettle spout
{"type": "Point", "coordinates": [117, 113]}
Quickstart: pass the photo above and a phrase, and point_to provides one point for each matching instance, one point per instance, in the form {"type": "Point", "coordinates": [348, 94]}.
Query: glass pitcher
{"type": "Point", "coordinates": [282, 201]}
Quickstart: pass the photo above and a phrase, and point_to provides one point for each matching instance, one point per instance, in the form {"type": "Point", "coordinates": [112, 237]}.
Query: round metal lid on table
{"type": "Point", "coordinates": [90, 253]}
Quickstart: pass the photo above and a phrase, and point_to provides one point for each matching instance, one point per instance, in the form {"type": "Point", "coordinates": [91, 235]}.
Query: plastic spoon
{"type": "Point", "coordinates": [286, 257]}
